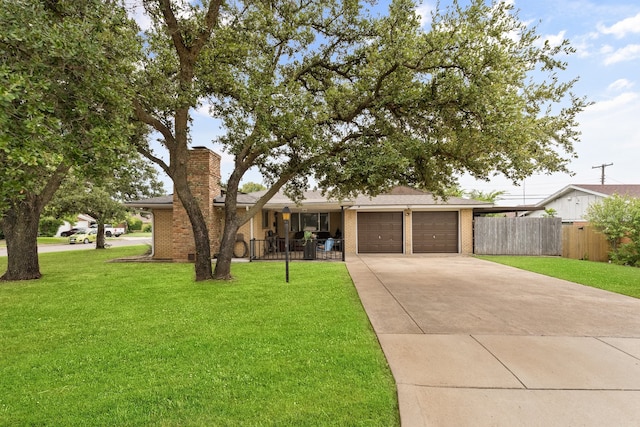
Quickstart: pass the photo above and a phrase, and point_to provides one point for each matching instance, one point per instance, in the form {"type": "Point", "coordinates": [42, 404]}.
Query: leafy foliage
{"type": "Point", "coordinates": [491, 196]}
{"type": "Point", "coordinates": [250, 187]}
{"type": "Point", "coordinates": [65, 101]}
{"type": "Point", "coordinates": [64, 93]}
{"type": "Point", "coordinates": [618, 218]}
{"type": "Point", "coordinates": [49, 226]}
{"type": "Point", "coordinates": [361, 103]}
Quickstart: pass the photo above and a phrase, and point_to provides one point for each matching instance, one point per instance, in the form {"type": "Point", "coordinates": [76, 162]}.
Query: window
{"type": "Point", "coordinates": [310, 221]}
{"type": "Point", "coordinates": [265, 218]}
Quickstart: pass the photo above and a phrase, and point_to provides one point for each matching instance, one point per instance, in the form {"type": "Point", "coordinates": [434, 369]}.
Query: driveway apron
{"type": "Point", "coordinates": [474, 343]}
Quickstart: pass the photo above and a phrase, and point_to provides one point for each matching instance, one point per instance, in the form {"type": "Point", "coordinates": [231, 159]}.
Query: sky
{"type": "Point", "coordinates": [606, 36]}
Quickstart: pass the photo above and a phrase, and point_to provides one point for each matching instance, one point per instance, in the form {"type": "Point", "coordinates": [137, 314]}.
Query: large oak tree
{"type": "Point", "coordinates": [63, 103]}
{"type": "Point", "coordinates": [325, 89]}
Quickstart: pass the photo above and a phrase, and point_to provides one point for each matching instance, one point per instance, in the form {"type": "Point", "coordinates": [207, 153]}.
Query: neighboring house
{"type": "Point", "coordinates": [403, 221]}
{"type": "Point", "coordinates": [572, 202]}
{"type": "Point", "coordinates": [82, 221]}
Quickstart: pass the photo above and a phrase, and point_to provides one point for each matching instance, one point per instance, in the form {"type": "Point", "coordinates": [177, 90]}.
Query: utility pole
{"type": "Point", "coordinates": [602, 166]}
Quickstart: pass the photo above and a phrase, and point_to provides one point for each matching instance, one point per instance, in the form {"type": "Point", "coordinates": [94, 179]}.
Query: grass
{"type": "Point", "coordinates": [138, 234]}
{"type": "Point", "coordinates": [43, 241]}
{"type": "Point", "coordinates": [615, 278]}
{"type": "Point", "coordinates": [95, 343]}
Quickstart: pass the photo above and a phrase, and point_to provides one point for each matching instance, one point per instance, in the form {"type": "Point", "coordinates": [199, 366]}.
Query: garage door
{"type": "Point", "coordinates": [380, 232]}
{"type": "Point", "coordinates": [435, 232]}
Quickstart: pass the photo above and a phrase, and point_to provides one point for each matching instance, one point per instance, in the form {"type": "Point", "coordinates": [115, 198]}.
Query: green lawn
{"type": "Point", "coordinates": [138, 234]}
{"type": "Point", "coordinates": [95, 343]}
{"type": "Point", "coordinates": [615, 278]}
{"type": "Point", "coordinates": [43, 241]}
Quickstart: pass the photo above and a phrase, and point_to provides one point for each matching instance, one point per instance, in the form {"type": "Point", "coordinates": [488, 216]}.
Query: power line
{"type": "Point", "coordinates": [602, 166]}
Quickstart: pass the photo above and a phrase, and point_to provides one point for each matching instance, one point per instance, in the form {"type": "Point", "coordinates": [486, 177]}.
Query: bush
{"type": "Point", "coordinates": [49, 226]}
{"type": "Point", "coordinates": [147, 228]}
{"type": "Point", "coordinates": [134, 224]}
{"type": "Point", "coordinates": [627, 254]}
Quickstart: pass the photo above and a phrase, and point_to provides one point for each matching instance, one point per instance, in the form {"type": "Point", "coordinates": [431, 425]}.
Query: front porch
{"type": "Point", "coordinates": [275, 249]}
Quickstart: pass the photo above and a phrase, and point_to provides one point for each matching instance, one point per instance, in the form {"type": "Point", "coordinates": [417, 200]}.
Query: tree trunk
{"type": "Point", "coordinates": [20, 226]}
{"type": "Point", "coordinates": [223, 262]}
{"type": "Point", "coordinates": [231, 225]}
{"type": "Point", "coordinates": [100, 240]}
{"type": "Point", "coordinates": [198, 226]}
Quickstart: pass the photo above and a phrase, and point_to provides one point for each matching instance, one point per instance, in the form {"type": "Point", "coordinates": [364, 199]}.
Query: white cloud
{"type": "Point", "coordinates": [424, 12]}
{"type": "Point", "coordinates": [622, 28]}
{"type": "Point", "coordinates": [618, 103]}
{"type": "Point", "coordinates": [555, 39]}
{"type": "Point", "coordinates": [627, 53]}
{"type": "Point", "coordinates": [203, 109]}
{"type": "Point", "coordinates": [620, 84]}
{"type": "Point", "coordinates": [135, 9]}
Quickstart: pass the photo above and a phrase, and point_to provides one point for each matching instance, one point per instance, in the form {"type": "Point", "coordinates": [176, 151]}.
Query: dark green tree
{"type": "Point", "coordinates": [361, 103]}
{"type": "Point", "coordinates": [102, 197]}
{"type": "Point", "coordinates": [64, 102]}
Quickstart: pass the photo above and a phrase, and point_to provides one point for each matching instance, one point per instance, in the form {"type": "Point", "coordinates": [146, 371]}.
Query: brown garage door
{"type": "Point", "coordinates": [380, 232]}
{"type": "Point", "coordinates": [435, 232]}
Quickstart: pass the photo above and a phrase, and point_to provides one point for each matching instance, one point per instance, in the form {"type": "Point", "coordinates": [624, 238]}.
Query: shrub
{"type": "Point", "coordinates": [618, 218]}
{"type": "Point", "coordinates": [627, 254]}
{"type": "Point", "coordinates": [147, 228]}
{"type": "Point", "coordinates": [49, 226]}
{"type": "Point", "coordinates": [134, 224]}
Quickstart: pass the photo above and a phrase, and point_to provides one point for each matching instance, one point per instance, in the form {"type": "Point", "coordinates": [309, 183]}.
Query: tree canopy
{"type": "Point", "coordinates": [325, 89]}
{"type": "Point", "coordinates": [64, 101]}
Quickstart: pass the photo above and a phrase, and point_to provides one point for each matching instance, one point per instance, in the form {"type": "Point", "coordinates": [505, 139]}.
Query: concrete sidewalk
{"type": "Point", "coordinates": [474, 343]}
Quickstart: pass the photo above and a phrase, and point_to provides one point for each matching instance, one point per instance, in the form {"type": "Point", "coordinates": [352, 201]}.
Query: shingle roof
{"type": "Point", "coordinates": [632, 190]}
{"type": "Point", "coordinates": [399, 196]}
{"type": "Point", "coordinates": [153, 202]}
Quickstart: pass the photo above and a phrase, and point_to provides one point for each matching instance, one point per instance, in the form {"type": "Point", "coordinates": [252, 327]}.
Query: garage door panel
{"type": "Point", "coordinates": [380, 232]}
{"type": "Point", "coordinates": [435, 232]}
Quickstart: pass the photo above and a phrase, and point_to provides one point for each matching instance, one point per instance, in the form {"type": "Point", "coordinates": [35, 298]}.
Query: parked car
{"type": "Point", "coordinates": [110, 231]}
{"type": "Point", "coordinates": [69, 232]}
{"type": "Point", "coordinates": [87, 236]}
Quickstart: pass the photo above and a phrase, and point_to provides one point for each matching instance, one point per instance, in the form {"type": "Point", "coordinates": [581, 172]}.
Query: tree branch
{"type": "Point", "coordinates": [145, 117]}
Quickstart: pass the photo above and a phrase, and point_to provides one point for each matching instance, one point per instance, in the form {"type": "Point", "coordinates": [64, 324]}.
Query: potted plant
{"type": "Point", "coordinates": [309, 245]}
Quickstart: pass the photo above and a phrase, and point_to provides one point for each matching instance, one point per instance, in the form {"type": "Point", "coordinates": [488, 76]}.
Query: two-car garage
{"type": "Point", "coordinates": [431, 231]}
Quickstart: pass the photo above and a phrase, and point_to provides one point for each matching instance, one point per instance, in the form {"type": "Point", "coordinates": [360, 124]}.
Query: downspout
{"type": "Point", "coordinates": [344, 233]}
{"type": "Point", "coordinates": [250, 224]}
{"type": "Point", "coordinates": [153, 234]}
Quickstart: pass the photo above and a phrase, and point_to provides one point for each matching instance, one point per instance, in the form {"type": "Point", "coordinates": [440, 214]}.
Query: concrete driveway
{"type": "Point", "coordinates": [474, 343]}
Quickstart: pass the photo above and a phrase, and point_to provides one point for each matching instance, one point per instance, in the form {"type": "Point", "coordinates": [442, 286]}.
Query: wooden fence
{"type": "Point", "coordinates": [517, 236]}
{"type": "Point", "coordinates": [584, 242]}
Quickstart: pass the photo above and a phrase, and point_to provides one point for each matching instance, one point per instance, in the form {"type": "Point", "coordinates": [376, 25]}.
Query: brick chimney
{"type": "Point", "coordinates": [203, 175]}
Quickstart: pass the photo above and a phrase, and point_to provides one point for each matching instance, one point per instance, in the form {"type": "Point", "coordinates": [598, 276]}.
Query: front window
{"type": "Point", "coordinates": [310, 221]}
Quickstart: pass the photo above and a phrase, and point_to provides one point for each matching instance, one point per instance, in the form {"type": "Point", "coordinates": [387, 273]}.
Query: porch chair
{"type": "Point", "coordinates": [326, 247]}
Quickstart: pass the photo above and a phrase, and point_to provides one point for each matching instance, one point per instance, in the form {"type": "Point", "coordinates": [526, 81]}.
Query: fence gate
{"type": "Point", "coordinates": [517, 236]}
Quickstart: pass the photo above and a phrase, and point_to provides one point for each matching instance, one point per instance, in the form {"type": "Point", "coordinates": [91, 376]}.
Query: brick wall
{"type": "Point", "coordinates": [162, 233]}
{"type": "Point", "coordinates": [466, 231]}
{"type": "Point", "coordinates": [407, 220]}
{"type": "Point", "coordinates": [349, 231]}
{"type": "Point", "coordinates": [203, 169]}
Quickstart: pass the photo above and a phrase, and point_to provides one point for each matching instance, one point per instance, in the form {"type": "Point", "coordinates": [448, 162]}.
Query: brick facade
{"type": "Point", "coordinates": [162, 233]}
{"type": "Point", "coordinates": [466, 231]}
